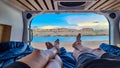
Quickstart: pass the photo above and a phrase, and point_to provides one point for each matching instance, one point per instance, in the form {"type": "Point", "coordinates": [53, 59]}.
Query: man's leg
{"type": "Point", "coordinates": [92, 57]}
{"type": "Point", "coordinates": [83, 55]}
{"type": "Point", "coordinates": [79, 48]}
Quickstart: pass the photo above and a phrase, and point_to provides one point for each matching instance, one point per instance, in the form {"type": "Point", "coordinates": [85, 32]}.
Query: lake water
{"type": "Point", "coordinates": [70, 39]}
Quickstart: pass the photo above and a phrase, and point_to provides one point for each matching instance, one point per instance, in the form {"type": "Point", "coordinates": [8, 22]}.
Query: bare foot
{"type": "Point", "coordinates": [79, 49]}
{"type": "Point", "coordinates": [56, 45]}
{"type": "Point", "coordinates": [57, 60]}
{"type": "Point", "coordinates": [49, 45]}
{"type": "Point", "coordinates": [78, 44]}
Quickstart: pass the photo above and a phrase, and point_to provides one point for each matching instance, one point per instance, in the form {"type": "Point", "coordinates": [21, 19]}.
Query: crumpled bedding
{"type": "Point", "coordinates": [12, 51]}
{"type": "Point", "coordinates": [67, 58]}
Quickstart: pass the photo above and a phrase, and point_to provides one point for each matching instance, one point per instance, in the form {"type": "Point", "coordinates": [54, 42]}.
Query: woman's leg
{"type": "Point", "coordinates": [56, 62]}
{"type": "Point", "coordinates": [39, 58]}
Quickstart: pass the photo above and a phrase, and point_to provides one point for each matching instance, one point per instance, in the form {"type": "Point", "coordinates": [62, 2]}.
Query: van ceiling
{"type": "Point", "coordinates": [65, 5]}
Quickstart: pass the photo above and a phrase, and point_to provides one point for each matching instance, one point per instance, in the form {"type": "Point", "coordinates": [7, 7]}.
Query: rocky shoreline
{"type": "Point", "coordinates": [69, 32]}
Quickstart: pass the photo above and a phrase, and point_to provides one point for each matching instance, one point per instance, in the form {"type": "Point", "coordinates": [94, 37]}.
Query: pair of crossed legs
{"type": "Point", "coordinates": [50, 59]}
{"type": "Point", "coordinates": [44, 58]}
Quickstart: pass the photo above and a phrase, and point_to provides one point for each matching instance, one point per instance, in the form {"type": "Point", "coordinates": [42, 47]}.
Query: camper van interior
{"type": "Point", "coordinates": [31, 23]}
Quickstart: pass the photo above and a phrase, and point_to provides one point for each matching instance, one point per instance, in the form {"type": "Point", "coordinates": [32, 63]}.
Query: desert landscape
{"type": "Point", "coordinates": [68, 32]}
{"type": "Point", "coordinates": [65, 32]}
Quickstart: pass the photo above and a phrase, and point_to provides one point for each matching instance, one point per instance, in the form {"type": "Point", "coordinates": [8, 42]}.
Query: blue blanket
{"type": "Point", "coordinates": [67, 58]}
{"type": "Point", "coordinates": [12, 51]}
{"type": "Point", "coordinates": [112, 49]}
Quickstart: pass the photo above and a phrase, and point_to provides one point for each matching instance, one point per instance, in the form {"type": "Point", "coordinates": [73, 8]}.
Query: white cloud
{"type": "Point", "coordinates": [94, 25]}
{"type": "Point", "coordinates": [80, 26]}
{"type": "Point", "coordinates": [74, 19]}
{"type": "Point", "coordinates": [85, 19]}
{"type": "Point", "coordinates": [49, 27]}
{"type": "Point", "coordinates": [96, 22]}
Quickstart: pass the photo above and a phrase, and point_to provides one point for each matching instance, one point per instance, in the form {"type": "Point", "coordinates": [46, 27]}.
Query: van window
{"type": "Point", "coordinates": [49, 27]}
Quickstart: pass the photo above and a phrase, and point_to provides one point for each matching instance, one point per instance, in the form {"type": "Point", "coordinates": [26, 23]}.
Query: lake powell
{"type": "Point", "coordinates": [69, 38]}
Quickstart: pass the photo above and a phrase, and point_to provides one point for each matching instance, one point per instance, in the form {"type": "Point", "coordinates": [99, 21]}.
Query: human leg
{"type": "Point", "coordinates": [54, 62]}
{"type": "Point", "coordinates": [67, 59]}
{"type": "Point", "coordinates": [82, 54]}
{"type": "Point", "coordinates": [92, 58]}
{"type": "Point", "coordinates": [39, 58]}
{"type": "Point", "coordinates": [79, 48]}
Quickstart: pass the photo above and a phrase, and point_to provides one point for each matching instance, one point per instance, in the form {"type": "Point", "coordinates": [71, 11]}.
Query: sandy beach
{"type": "Point", "coordinates": [68, 45]}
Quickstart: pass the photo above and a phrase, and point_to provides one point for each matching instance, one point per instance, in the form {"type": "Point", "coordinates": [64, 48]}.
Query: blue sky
{"type": "Point", "coordinates": [76, 21]}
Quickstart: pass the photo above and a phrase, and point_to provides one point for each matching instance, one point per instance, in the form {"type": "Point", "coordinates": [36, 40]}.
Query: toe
{"type": "Point", "coordinates": [78, 37]}
{"type": "Point", "coordinates": [49, 45]}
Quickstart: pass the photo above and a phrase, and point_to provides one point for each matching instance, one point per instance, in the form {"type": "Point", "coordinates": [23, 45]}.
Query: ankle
{"type": "Point", "coordinates": [51, 53]}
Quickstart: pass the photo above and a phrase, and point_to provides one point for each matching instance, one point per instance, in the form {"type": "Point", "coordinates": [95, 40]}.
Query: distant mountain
{"type": "Point", "coordinates": [68, 32]}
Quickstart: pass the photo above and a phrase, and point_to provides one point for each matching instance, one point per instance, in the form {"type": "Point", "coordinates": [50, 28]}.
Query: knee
{"type": "Point", "coordinates": [41, 54]}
